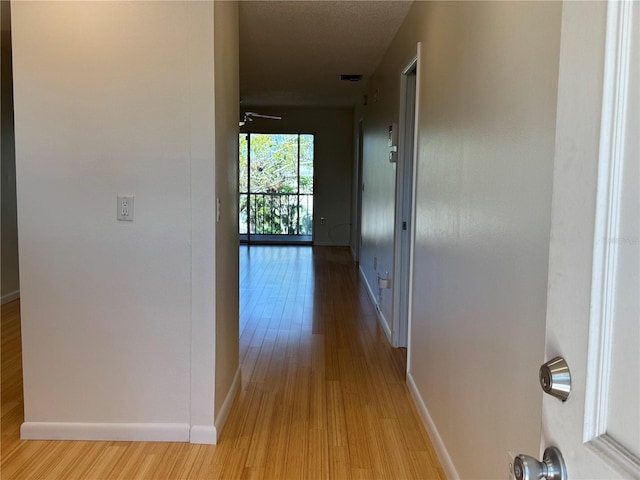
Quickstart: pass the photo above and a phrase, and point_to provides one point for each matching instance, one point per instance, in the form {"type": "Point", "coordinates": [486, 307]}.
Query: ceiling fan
{"type": "Point", "coordinates": [250, 116]}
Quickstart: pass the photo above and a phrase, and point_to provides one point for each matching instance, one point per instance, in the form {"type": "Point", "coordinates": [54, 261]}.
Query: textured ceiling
{"type": "Point", "coordinates": [293, 52]}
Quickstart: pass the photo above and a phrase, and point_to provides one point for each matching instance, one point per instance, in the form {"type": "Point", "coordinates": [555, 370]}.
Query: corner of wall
{"type": "Point", "coordinates": [438, 443]}
{"type": "Point", "coordinates": [203, 230]}
{"type": "Point", "coordinates": [209, 434]}
{"type": "Point", "coordinates": [203, 435]}
{"type": "Point", "coordinates": [227, 105]}
{"type": "Point", "coordinates": [225, 409]}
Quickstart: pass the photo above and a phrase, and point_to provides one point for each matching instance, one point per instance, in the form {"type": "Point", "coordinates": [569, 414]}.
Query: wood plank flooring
{"type": "Point", "coordinates": [323, 394]}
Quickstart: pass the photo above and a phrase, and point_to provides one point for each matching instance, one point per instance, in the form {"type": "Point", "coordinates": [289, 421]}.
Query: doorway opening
{"type": "Point", "coordinates": [276, 187]}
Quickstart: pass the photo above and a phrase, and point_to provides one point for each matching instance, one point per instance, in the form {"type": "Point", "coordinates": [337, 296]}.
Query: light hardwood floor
{"type": "Point", "coordinates": [323, 394]}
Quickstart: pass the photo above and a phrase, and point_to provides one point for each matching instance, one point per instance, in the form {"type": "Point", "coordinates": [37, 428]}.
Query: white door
{"type": "Point", "coordinates": [592, 315]}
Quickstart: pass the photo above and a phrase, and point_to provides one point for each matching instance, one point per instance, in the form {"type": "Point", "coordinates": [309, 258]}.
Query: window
{"type": "Point", "coordinates": [276, 187]}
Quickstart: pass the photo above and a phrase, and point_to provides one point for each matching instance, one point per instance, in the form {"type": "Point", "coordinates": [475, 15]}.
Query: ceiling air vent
{"type": "Point", "coordinates": [351, 78]}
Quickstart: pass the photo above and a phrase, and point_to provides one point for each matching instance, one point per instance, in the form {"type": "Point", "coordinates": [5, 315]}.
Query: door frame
{"type": "Point", "coordinates": [405, 203]}
{"type": "Point", "coordinates": [359, 179]}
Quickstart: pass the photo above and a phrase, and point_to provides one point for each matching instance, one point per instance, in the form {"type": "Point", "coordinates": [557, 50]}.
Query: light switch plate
{"type": "Point", "coordinates": [125, 208]}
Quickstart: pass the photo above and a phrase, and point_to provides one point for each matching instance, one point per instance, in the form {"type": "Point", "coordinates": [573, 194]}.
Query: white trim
{"type": "Point", "coordinates": [129, 432]}
{"type": "Point", "coordinates": [432, 430]}
{"type": "Point", "coordinates": [613, 135]}
{"type": "Point", "coordinates": [615, 454]}
{"type": "Point", "coordinates": [203, 435]}
{"type": "Point", "coordinates": [10, 297]}
{"type": "Point", "coordinates": [223, 414]}
{"type": "Point", "coordinates": [381, 318]}
{"type": "Point", "coordinates": [383, 323]}
{"type": "Point", "coordinates": [413, 206]}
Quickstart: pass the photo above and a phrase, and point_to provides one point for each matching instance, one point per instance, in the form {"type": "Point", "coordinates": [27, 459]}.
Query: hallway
{"type": "Point", "coordinates": [323, 393]}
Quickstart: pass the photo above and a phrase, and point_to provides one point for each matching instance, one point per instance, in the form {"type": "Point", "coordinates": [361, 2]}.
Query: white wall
{"type": "Point", "coordinates": [115, 97]}
{"type": "Point", "coordinates": [379, 179]}
{"type": "Point", "coordinates": [10, 287]}
{"type": "Point", "coordinates": [227, 99]}
{"type": "Point", "coordinates": [488, 86]}
{"type": "Point", "coordinates": [333, 129]}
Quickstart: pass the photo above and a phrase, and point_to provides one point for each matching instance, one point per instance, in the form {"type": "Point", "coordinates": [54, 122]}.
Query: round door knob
{"type": "Point", "coordinates": [551, 467]}
{"type": "Point", "coordinates": [528, 468]}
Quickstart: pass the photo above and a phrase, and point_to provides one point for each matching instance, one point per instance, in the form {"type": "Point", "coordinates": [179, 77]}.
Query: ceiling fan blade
{"type": "Point", "coordinates": [259, 115]}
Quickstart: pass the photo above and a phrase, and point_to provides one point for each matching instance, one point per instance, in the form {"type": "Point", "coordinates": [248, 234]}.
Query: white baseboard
{"type": "Point", "coordinates": [10, 297]}
{"type": "Point", "coordinates": [384, 324]}
{"type": "Point", "coordinates": [203, 434]}
{"type": "Point", "coordinates": [381, 318]}
{"type": "Point", "coordinates": [223, 414]}
{"type": "Point", "coordinates": [129, 432]}
{"type": "Point", "coordinates": [434, 435]}
{"type": "Point", "coordinates": [135, 432]}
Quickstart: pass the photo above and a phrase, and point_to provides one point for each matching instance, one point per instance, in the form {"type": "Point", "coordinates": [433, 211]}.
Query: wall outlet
{"type": "Point", "coordinates": [322, 220]}
{"type": "Point", "coordinates": [125, 208]}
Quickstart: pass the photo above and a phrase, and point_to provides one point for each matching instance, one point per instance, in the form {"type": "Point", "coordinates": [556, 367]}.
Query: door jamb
{"type": "Point", "coordinates": [401, 326]}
